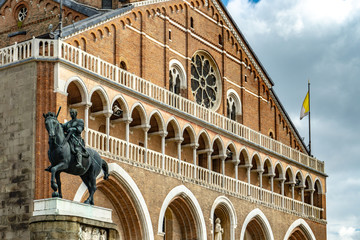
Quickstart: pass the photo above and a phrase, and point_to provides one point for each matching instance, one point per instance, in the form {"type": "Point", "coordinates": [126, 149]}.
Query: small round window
{"type": "Point", "coordinates": [205, 81]}
{"type": "Point", "coordinates": [22, 14]}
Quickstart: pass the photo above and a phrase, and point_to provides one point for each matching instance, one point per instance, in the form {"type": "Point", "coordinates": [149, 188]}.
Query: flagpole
{"type": "Point", "coordinates": [309, 119]}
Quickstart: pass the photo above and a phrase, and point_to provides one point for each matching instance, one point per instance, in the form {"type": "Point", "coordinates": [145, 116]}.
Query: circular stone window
{"type": "Point", "coordinates": [205, 81]}
{"type": "Point", "coordinates": [22, 14]}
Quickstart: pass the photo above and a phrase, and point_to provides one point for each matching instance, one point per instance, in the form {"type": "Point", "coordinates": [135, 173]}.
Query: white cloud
{"type": "Point", "coordinates": [317, 39]}
{"type": "Point", "coordinates": [295, 17]}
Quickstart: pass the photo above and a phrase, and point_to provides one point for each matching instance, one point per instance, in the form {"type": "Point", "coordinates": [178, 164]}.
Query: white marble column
{"type": "Point", "coordinates": [248, 171]}
{"type": "Point", "coordinates": [194, 147]}
{"type": "Point", "coordinates": [127, 136]}
{"type": "Point", "coordinates": [260, 172]}
{"type": "Point", "coordinates": [163, 135]}
{"type": "Point", "coordinates": [236, 166]}
{"type": "Point", "coordinates": [209, 163]}
{"type": "Point", "coordinates": [86, 122]}
{"type": "Point", "coordinates": [146, 129]}
{"type": "Point", "coordinates": [282, 182]}
{"type": "Point", "coordinates": [272, 187]}
{"type": "Point", "coordinates": [107, 116]}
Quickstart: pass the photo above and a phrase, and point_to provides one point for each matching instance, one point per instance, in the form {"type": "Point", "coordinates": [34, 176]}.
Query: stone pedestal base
{"type": "Point", "coordinates": [51, 221]}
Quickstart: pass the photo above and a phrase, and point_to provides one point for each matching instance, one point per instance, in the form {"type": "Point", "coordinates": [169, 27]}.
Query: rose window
{"type": "Point", "coordinates": [205, 83]}
{"type": "Point", "coordinates": [22, 14]}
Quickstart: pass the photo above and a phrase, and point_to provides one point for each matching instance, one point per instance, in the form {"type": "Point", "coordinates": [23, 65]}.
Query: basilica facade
{"type": "Point", "coordinates": [175, 101]}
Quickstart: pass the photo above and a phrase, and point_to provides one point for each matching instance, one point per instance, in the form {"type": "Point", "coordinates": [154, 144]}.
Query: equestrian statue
{"type": "Point", "coordinates": [67, 153]}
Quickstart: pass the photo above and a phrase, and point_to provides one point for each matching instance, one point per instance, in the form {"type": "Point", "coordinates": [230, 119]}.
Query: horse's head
{"type": "Point", "coordinates": [51, 124]}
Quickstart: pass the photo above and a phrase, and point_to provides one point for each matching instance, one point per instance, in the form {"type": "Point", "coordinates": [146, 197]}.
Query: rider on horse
{"type": "Point", "coordinates": [73, 129]}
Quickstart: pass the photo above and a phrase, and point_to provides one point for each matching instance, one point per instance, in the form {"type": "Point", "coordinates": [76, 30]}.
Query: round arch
{"type": "Point", "coordinates": [196, 209]}
{"type": "Point", "coordinates": [124, 104]}
{"type": "Point", "coordinates": [80, 84]}
{"type": "Point", "coordinates": [130, 185]}
{"type": "Point", "coordinates": [176, 125]}
{"type": "Point", "coordinates": [156, 113]}
{"type": "Point", "coordinates": [246, 155]}
{"type": "Point", "coordinates": [236, 100]}
{"type": "Point", "coordinates": [207, 138]}
{"type": "Point", "coordinates": [191, 132]}
{"type": "Point", "coordinates": [224, 201]}
{"type": "Point", "coordinates": [104, 97]}
{"type": "Point", "coordinates": [259, 215]}
{"type": "Point", "coordinates": [177, 68]}
{"type": "Point", "coordinates": [303, 226]}
{"type": "Point", "coordinates": [142, 112]}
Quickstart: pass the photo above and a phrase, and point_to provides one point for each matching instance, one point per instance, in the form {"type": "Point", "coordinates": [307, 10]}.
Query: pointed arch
{"type": "Point", "coordinates": [218, 138]}
{"type": "Point", "coordinates": [289, 172]}
{"type": "Point", "coordinates": [189, 197]}
{"type": "Point", "coordinates": [299, 176]}
{"type": "Point", "coordinates": [125, 179]}
{"type": "Point", "coordinates": [226, 205]}
{"type": "Point", "coordinates": [256, 157]}
{"type": "Point", "coordinates": [261, 218]}
{"type": "Point", "coordinates": [232, 147]}
{"type": "Point", "coordinates": [300, 223]}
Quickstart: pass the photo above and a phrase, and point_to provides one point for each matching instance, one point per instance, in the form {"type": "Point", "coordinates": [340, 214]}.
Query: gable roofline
{"type": "Point", "coordinates": [275, 97]}
{"type": "Point", "coordinates": [81, 8]}
{"type": "Point", "coordinates": [93, 21]}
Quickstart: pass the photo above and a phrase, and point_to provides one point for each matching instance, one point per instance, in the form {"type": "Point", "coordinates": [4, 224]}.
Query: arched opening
{"type": "Point", "coordinates": [123, 65]}
{"type": "Point", "coordinates": [188, 145]}
{"type": "Point", "coordinates": [138, 126]}
{"type": "Point", "coordinates": [279, 178]}
{"type": "Point", "coordinates": [217, 156]}
{"type": "Point", "coordinates": [318, 194]}
{"type": "Point", "coordinates": [181, 217]}
{"type": "Point", "coordinates": [255, 169]}
{"type": "Point", "coordinates": [256, 226]}
{"type": "Point", "coordinates": [230, 160]}
{"type": "Point", "coordinates": [156, 132]}
{"type": "Point", "coordinates": [97, 119]}
{"type": "Point", "coordinates": [203, 150]}
{"type": "Point", "coordinates": [121, 194]}
{"type": "Point", "coordinates": [172, 139]}
{"type": "Point", "coordinates": [298, 234]}
{"type": "Point", "coordinates": [267, 175]}
{"type": "Point", "coordinates": [118, 126]}
{"type": "Point", "coordinates": [289, 182]}
{"type": "Point", "coordinates": [76, 98]}
{"type": "Point", "coordinates": [177, 78]}
{"type": "Point", "coordinates": [243, 165]}
{"type": "Point", "coordinates": [223, 219]}
{"type": "Point", "coordinates": [308, 191]}
{"type": "Point", "coordinates": [299, 183]}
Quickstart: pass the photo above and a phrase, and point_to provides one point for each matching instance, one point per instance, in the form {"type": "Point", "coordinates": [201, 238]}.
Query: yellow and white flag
{"type": "Point", "coordinates": [305, 107]}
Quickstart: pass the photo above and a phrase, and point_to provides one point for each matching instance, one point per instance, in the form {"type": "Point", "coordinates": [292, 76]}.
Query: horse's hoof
{"type": "Point", "coordinates": [106, 176]}
{"type": "Point", "coordinates": [87, 201]}
{"type": "Point", "coordinates": [55, 194]}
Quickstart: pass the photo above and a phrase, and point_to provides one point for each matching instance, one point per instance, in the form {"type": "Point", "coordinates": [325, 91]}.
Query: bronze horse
{"type": "Point", "coordinates": [62, 160]}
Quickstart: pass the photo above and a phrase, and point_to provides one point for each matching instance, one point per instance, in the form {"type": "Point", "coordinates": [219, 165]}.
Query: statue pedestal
{"type": "Point", "coordinates": [56, 218]}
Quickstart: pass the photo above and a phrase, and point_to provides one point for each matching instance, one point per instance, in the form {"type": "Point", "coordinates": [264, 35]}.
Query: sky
{"type": "Point", "coordinates": [319, 40]}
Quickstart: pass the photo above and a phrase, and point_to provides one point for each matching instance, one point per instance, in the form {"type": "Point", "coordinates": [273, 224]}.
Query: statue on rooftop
{"type": "Point", "coordinates": [67, 153]}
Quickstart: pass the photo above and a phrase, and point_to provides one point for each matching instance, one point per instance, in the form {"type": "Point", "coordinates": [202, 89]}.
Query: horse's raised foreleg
{"type": "Point", "coordinates": [58, 182]}
{"type": "Point", "coordinates": [54, 184]}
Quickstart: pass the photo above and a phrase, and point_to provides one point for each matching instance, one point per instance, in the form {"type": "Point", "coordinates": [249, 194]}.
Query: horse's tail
{"type": "Point", "coordinates": [105, 168]}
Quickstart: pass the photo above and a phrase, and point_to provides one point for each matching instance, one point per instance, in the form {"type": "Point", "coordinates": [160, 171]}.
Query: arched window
{"type": "Point", "coordinates": [123, 65]}
{"type": "Point", "coordinates": [177, 79]}
{"type": "Point", "coordinates": [231, 108]}
{"type": "Point", "coordinates": [233, 105]}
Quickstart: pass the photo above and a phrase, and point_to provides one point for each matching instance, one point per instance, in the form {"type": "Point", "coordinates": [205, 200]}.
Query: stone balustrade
{"type": "Point", "coordinates": [56, 49]}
